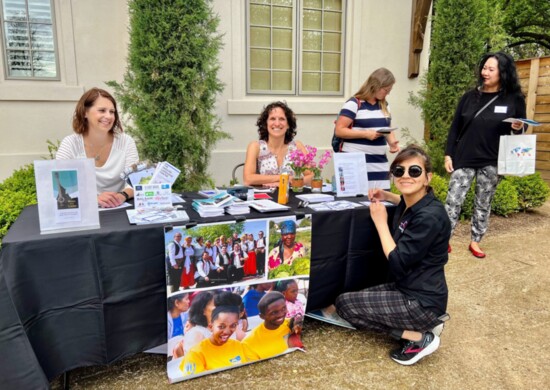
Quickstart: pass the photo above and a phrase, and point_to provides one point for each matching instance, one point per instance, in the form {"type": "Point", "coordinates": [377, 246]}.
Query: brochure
{"type": "Point", "coordinates": [529, 122]}
{"type": "Point", "coordinates": [165, 173]}
{"type": "Point", "coordinates": [385, 130]}
{"type": "Point", "coordinates": [137, 217]}
{"type": "Point", "coordinates": [220, 200]}
{"type": "Point", "coordinates": [351, 174]}
{"type": "Point", "coordinates": [315, 198]}
{"type": "Point", "coordinates": [329, 315]}
{"type": "Point", "coordinates": [267, 206]}
{"type": "Point", "coordinates": [262, 195]}
{"type": "Point", "coordinates": [209, 192]}
{"type": "Point", "coordinates": [141, 176]}
{"type": "Point", "coordinates": [122, 206]}
{"type": "Point", "coordinates": [368, 202]}
{"type": "Point", "coordinates": [336, 205]}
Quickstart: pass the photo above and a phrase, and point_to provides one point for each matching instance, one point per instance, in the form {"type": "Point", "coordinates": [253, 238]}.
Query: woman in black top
{"type": "Point", "coordinates": [410, 307]}
{"type": "Point", "coordinates": [472, 144]}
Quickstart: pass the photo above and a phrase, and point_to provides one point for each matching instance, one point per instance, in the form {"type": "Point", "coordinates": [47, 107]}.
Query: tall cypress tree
{"type": "Point", "coordinates": [462, 31]}
{"type": "Point", "coordinates": [170, 86]}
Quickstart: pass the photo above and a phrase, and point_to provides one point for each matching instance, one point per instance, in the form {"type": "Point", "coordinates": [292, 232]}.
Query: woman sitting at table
{"type": "Point", "coordinates": [268, 157]}
{"type": "Point", "coordinates": [98, 135]}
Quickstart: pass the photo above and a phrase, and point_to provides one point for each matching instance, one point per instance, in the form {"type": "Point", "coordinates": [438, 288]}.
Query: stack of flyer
{"type": "Point", "coordinates": [214, 205]}
{"type": "Point", "coordinates": [238, 207]}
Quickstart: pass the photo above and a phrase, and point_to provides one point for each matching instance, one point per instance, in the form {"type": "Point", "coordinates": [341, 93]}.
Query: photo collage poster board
{"type": "Point", "coordinates": [239, 306]}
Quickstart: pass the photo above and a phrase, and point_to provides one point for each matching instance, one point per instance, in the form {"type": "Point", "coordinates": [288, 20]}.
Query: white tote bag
{"type": "Point", "coordinates": [516, 154]}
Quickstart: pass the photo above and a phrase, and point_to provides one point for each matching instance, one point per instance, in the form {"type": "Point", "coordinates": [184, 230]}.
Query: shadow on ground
{"type": "Point", "coordinates": [496, 338]}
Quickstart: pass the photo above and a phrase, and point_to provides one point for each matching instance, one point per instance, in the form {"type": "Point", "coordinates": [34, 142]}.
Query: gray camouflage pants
{"type": "Point", "coordinates": [486, 184]}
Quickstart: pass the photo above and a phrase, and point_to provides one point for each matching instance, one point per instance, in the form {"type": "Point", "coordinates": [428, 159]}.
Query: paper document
{"type": "Point", "coordinates": [384, 130]}
{"type": "Point", "coordinates": [351, 174]}
{"type": "Point", "coordinates": [529, 122]}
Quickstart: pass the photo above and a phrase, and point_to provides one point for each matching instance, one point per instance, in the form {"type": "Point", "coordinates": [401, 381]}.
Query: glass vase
{"type": "Point", "coordinates": [317, 183]}
{"type": "Point", "coordinates": [297, 182]}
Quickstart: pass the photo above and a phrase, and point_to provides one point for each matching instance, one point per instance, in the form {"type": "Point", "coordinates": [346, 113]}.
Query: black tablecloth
{"type": "Point", "coordinates": [93, 297]}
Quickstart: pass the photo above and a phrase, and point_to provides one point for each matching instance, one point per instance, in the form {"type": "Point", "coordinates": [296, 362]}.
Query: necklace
{"type": "Point", "coordinates": [96, 156]}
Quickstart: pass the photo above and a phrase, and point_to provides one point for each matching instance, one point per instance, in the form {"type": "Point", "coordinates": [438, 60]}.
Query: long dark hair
{"type": "Point", "coordinates": [198, 305]}
{"type": "Point", "coordinates": [509, 81]}
{"type": "Point", "coordinates": [290, 118]}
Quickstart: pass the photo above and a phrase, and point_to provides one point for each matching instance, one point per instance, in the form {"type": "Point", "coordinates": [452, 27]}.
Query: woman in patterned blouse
{"type": "Point", "coordinates": [268, 157]}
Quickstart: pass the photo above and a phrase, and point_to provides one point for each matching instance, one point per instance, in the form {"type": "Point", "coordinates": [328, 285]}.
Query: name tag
{"type": "Point", "coordinates": [501, 109]}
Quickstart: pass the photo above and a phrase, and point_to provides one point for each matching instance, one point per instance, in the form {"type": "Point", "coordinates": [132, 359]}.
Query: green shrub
{"type": "Point", "coordinates": [16, 192]}
{"type": "Point", "coordinates": [505, 201]}
{"type": "Point", "coordinates": [532, 191]}
{"type": "Point", "coordinates": [440, 186]}
{"type": "Point", "coordinates": [21, 180]}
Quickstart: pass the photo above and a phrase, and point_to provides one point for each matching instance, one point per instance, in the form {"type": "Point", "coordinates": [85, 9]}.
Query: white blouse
{"type": "Point", "coordinates": [123, 154]}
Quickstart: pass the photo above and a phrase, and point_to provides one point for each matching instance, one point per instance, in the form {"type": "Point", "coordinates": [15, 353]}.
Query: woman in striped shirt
{"type": "Point", "coordinates": [359, 120]}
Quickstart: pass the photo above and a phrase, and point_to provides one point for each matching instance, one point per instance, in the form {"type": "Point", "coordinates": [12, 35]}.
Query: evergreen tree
{"type": "Point", "coordinates": [170, 86]}
{"type": "Point", "coordinates": [461, 32]}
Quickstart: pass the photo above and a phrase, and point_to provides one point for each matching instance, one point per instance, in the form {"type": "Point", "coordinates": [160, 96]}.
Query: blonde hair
{"type": "Point", "coordinates": [380, 78]}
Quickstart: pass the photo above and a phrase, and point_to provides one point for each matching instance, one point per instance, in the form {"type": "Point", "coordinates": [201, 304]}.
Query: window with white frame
{"type": "Point", "coordinates": [295, 47]}
{"type": "Point", "coordinates": [29, 39]}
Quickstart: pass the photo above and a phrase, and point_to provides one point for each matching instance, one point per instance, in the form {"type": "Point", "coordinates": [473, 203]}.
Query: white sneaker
{"type": "Point", "coordinates": [438, 329]}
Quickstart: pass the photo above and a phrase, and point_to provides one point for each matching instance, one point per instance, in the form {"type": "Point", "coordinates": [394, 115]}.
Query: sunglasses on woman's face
{"type": "Point", "coordinates": [414, 171]}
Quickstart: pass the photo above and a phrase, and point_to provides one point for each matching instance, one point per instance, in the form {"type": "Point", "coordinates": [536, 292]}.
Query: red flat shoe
{"type": "Point", "coordinates": [478, 254]}
{"type": "Point", "coordinates": [449, 249]}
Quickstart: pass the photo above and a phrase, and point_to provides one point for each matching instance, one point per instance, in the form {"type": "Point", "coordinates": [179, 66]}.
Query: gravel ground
{"type": "Point", "coordinates": [496, 338]}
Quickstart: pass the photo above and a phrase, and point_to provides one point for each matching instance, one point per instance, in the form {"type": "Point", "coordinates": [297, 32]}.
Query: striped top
{"type": "Point", "coordinates": [123, 154]}
{"type": "Point", "coordinates": [365, 117]}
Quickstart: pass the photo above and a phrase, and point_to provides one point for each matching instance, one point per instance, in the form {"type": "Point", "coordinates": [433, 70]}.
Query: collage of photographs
{"type": "Point", "coordinates": [236, 293]}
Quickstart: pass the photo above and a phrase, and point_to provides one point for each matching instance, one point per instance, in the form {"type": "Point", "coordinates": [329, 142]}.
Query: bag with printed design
{"type": "Point", "coordinates": [516, 154]}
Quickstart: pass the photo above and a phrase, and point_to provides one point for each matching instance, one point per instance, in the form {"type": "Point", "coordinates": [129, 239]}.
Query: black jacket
{"type": "Point", "coordinates": [416, 265]}
{"type": "Point", "coordinates": [477, 146]}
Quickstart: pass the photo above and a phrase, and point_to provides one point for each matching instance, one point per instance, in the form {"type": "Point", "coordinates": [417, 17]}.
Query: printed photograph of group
{"type": "Point", "coordinates": [236, 293]}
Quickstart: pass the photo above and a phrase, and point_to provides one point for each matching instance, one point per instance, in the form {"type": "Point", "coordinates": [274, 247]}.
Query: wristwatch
{"type": "Point", "coordinates": [126, 197]}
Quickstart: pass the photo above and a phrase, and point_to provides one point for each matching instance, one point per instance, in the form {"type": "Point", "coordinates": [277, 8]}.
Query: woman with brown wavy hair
{"type": "Point", "coordinates": [268, 157]}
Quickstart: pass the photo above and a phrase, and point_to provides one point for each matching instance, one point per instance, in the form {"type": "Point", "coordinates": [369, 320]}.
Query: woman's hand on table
{"type": "Point", "coordinates": [110, 199]}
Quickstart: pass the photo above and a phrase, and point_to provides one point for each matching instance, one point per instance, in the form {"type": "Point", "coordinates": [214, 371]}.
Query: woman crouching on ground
{"type": "Point", "coordinates": [409, 308]}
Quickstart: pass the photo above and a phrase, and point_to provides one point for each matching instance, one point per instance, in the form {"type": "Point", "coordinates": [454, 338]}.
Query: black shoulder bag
{"type": "Point", "coordinates": [336, 141]}
{"type": "Point", "coordinates": [465, 127]}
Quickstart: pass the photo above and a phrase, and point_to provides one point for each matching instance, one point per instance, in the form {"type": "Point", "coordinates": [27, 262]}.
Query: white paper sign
{"type": "Point", "coordinates": [67, 195]}
{"type": "Point", "coordinates": [165, 173]}
{"type": "Point", "coordinates": [351, 174]}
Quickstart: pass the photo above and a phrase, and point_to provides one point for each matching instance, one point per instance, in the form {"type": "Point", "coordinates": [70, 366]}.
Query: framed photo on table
{"type": "Point", "coordinates": [67, 195]}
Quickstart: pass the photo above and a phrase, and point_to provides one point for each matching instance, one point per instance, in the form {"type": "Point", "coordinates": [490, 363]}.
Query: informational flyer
{"type": "Point", "coordinates": [67, 195]}
{"type": "Point", "coordinates": [153, 196]}
{"type": "Point", "coordinates": [350, 171]}
{"type": "Point", "coordinates": [236, 293]}
{"type": "Point", "coordinates": [65, 191]}
{"type": "Point", "coordinates": [165, 173]}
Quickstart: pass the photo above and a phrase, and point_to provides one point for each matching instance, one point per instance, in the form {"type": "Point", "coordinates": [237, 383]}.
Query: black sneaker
{"type": "Point", "coordinates": [413, 351]}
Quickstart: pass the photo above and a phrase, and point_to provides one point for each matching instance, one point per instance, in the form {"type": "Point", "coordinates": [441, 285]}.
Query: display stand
{"type": "Point", "coordinates": [67, 195]}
